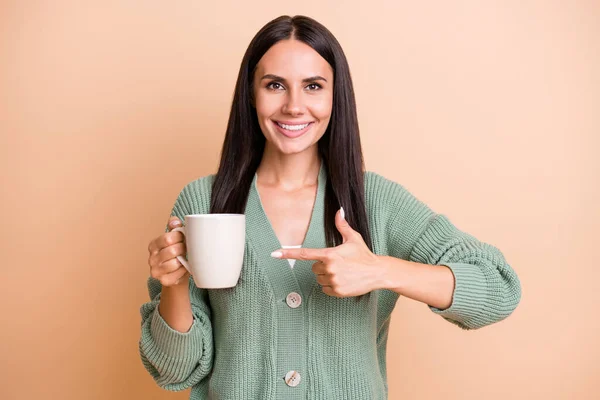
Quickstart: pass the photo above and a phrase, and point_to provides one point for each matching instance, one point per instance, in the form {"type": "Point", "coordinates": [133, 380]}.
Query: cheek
{"type": "Point", "coordinates": [322, 108]}
{"type": "Point", "coordinates": [322, 111]}
{"type": "Point", "coordinates": [266, 105]}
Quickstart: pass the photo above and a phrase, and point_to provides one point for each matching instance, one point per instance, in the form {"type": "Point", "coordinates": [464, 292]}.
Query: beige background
{"type": "Point", "coordinates": [486, 110]}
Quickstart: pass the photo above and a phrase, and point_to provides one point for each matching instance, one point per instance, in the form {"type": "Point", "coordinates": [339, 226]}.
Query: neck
{"type": "Point", "coordinates": [289, 171]}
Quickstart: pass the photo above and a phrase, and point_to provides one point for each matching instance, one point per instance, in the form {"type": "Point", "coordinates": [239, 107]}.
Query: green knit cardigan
{"type": "Point", "coordinates": [246, 340]}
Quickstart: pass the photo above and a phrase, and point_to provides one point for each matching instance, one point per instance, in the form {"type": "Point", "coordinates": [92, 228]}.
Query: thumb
{"type": "Point", "coordinates": [174, 222]}
{"type": "Point", "coordinates": [342, 225]}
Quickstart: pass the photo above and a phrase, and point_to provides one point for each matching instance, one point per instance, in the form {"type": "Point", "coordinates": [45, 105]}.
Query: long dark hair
{"type": "Point", "coordinates": [339, 148]}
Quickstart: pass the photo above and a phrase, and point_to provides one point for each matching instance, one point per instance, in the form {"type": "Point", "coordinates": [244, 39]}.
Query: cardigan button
{"type": "Point", "coordinates": [292, 378]}
{"type": "Point", "coordinates": [293, 300]}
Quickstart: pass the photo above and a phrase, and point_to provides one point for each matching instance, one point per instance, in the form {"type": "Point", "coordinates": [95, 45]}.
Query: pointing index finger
{"type": "Point", "coordinates": [302, 253]}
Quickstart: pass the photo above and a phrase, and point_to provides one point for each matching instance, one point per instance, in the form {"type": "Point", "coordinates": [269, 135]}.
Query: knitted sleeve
{"type": "Point", "coordinates": [487, 289]}
{"type": "Point", "coordinates": [179, 360]}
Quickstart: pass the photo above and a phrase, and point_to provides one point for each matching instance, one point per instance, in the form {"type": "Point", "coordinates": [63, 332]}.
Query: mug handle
{"type": "Point", "coordinates": [182, 259]}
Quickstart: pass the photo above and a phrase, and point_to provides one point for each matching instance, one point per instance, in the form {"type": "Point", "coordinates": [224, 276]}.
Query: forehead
{"type": "Point", "coordinates": [293, 59]}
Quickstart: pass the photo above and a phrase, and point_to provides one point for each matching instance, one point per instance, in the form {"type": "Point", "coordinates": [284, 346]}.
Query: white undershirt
{"type": "Point", "coordinates": [291, 247]}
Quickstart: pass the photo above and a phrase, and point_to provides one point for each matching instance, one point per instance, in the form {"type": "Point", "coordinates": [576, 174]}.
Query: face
{"type": "Point", "coordinates": [293, 96]}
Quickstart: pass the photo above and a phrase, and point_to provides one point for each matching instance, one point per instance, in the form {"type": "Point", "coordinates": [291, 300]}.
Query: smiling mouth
{"type": "Point", "coordinates": [293, 131]}
{"type": "Point", "coordinates": [295, 127]}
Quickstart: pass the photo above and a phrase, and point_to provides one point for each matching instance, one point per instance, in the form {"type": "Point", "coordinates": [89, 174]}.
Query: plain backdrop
{"type": "Point", "coordinates": [488, 111]}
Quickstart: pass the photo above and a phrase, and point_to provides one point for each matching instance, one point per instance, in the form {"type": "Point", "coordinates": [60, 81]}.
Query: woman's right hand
{"type": "Point", "coordinates": [163, 261]}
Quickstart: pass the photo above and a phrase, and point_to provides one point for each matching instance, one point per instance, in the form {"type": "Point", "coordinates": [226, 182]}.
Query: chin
{"type": "Point", "coordinates": [292, 149]}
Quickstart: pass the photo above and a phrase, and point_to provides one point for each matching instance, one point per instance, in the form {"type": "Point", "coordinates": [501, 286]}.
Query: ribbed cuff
{"type": "Point", "coordinates": [173, 343]}
{"type": "Point", "coordinates": [470, 294]}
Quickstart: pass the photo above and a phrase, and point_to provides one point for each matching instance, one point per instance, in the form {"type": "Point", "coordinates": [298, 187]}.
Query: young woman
{"type": "Point", "coordinates": [329, 247]}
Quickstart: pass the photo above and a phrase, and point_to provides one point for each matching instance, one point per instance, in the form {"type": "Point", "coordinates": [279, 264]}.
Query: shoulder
{"type": "Point", "coordinates": [396, 215]}
{"type": "Point", "coordinates": [392, 201]}
{"type": "Point", "coordinates": [194, 197]}
{"type": "Point", "coordinates": [200, 186]}
{"type": "Point", "coordinates": [373, 179]}
{"type": "Point", "coordinates": [381, 191]}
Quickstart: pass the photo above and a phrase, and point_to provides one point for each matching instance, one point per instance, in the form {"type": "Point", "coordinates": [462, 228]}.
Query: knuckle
{"type": "Point", "coordinates": [337, 290]}
{"type": "Point", "coordinates": [303, 253]}
{"type": "Point", "coordinates": [151, 264]}
{"type": "Point", "coordinates": [154, 273]}
{"type": "Point", "coordinates": [334, 281]}
{"type": "Point", "coordinates": [165, 280]}
{"type": "Point", "coordinates": [173, 251]}
{"type": "Point", "coordinates": [330, 255]}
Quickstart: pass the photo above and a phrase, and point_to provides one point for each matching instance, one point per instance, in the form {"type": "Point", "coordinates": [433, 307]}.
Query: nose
{"type": "Point", "coordinates": [293, 105]}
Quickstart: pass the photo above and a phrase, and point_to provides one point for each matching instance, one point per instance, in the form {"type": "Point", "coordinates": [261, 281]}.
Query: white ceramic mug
{"type": "Point", "coordinates": [215, 248]}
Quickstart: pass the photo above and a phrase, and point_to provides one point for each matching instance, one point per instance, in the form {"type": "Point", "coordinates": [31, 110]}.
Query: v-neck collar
{"type": "Point", "coordinates": [261, 235]}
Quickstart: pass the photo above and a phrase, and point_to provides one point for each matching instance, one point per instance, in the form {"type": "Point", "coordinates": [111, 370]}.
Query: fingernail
{"type": "Point", "coordinates": [342, 213]}
{"type": "Point", "coordinates": [175, 223]}
{"type": "Point", "coordinates": [276, 254]}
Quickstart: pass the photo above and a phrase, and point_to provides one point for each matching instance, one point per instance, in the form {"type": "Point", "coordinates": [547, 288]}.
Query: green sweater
{"type": "Point", "coordinates": [245, 340]}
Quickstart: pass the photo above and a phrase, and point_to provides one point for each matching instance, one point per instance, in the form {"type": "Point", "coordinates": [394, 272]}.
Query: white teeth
{"type": "Point", "coordinates": [293, 127]}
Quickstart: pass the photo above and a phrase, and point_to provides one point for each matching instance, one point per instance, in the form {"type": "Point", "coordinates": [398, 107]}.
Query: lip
{"type": "Point", "coordinates": [293, 122]}
{"type": "Point", "coordinates": [292, 134]}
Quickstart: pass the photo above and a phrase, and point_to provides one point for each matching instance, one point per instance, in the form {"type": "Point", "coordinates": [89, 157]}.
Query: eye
{"type": "Point", "coordinates": [314, 86]}
{"type": "Point", "coordinates": [274, 86]}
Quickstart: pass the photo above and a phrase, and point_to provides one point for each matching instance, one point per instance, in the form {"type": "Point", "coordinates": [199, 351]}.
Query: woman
{"type": "Point", "coordinates": [308, 322]}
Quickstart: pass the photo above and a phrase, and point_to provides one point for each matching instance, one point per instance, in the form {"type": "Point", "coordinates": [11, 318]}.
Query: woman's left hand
{"type": "Point", "coordinates": [350, 269]}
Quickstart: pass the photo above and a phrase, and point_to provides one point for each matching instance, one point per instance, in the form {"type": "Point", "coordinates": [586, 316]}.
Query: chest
{"type": "Point", "coordinates": [289, 212]}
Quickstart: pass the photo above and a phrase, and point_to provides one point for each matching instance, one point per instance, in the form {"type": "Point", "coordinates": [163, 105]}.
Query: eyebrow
{"type": "Point", "coordinates": [305, 80]}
